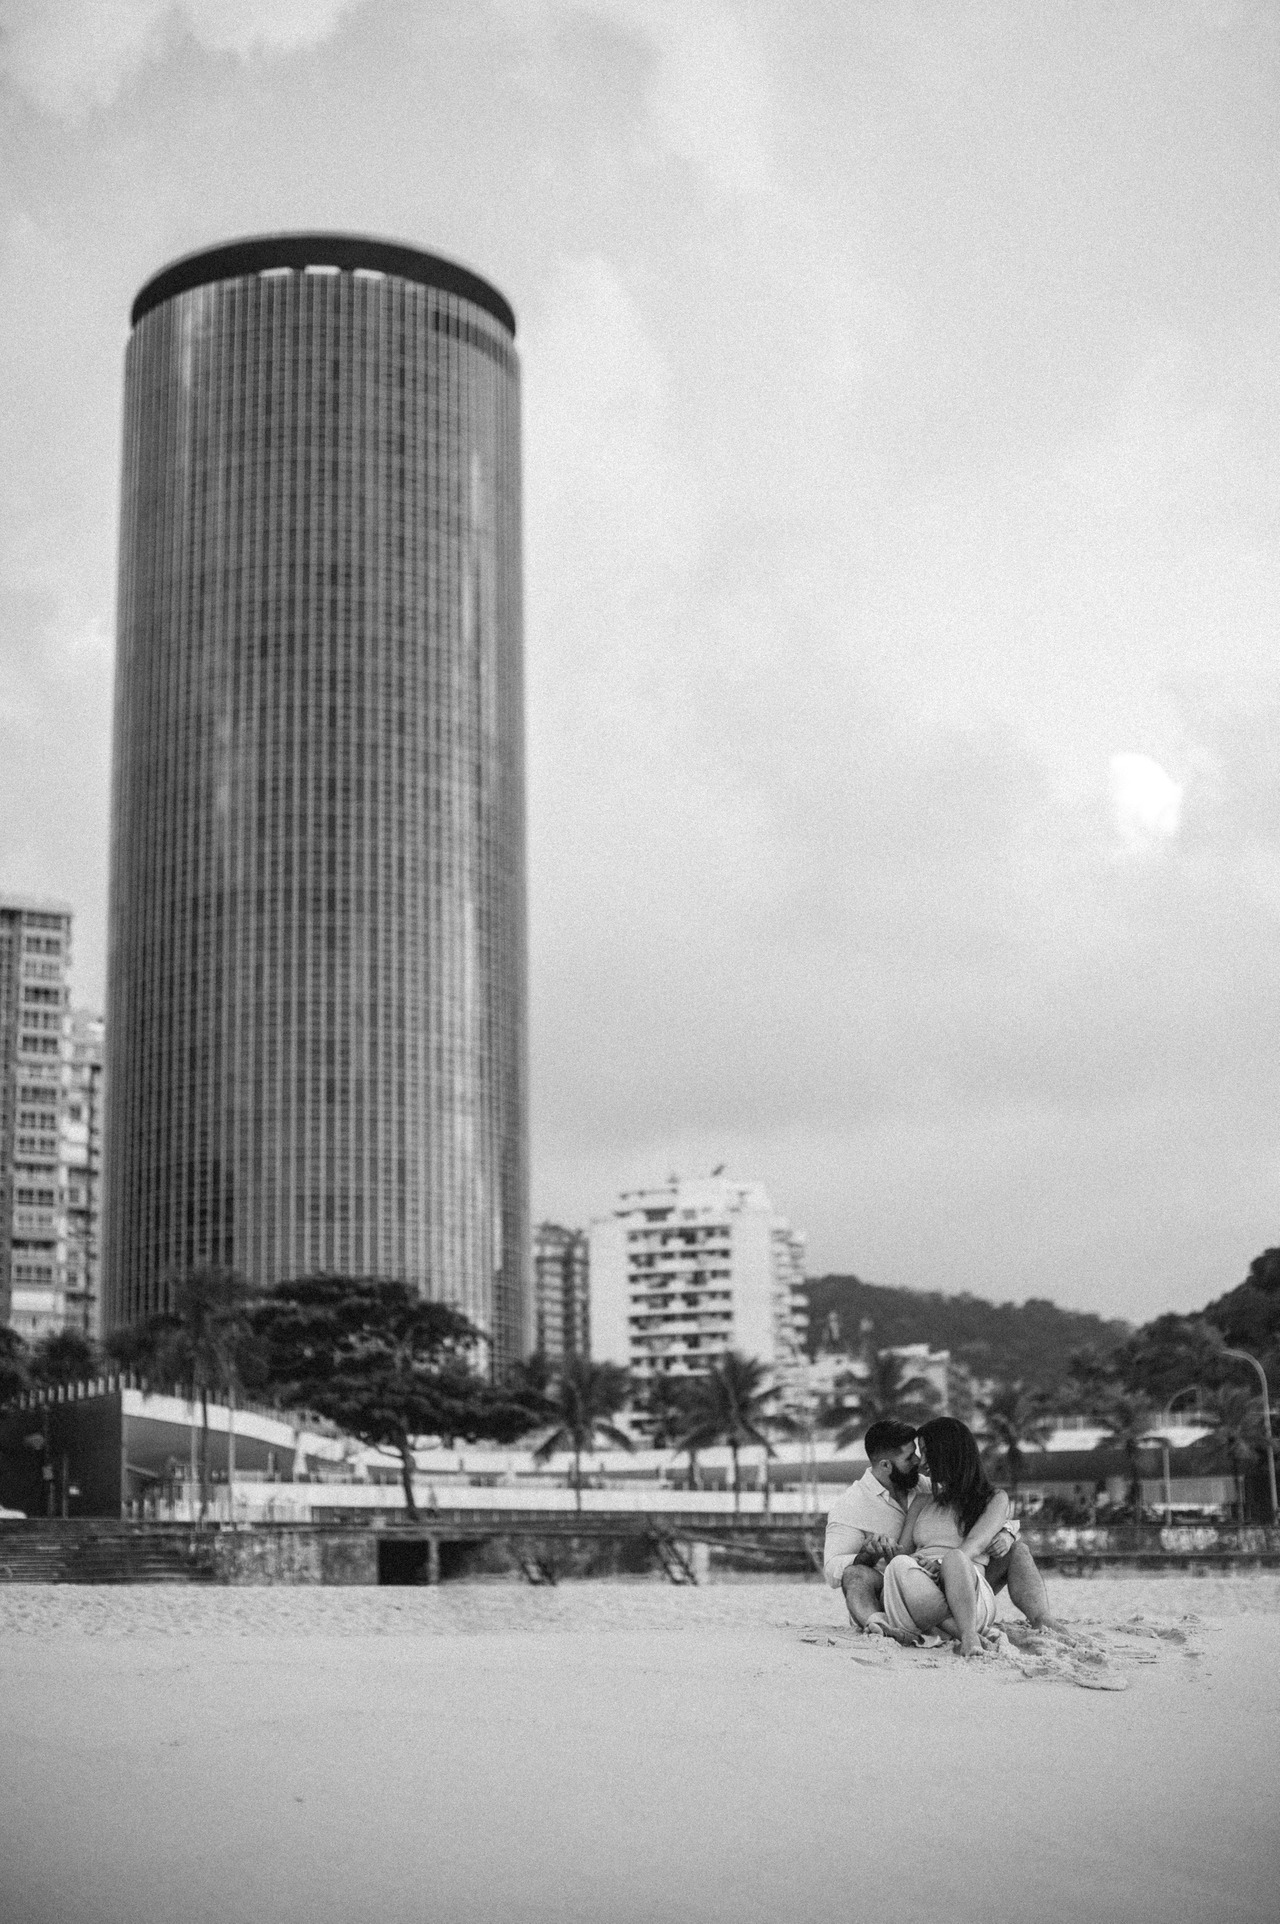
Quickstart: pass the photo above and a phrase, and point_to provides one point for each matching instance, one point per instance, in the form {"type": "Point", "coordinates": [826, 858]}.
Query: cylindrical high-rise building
{"type": "Point", "coordinates": [316, 997]}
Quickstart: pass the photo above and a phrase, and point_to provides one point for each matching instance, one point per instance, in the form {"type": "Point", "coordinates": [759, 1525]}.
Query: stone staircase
{"type": "Point", "coordinates": [28, 1558]}
{"type": "Point", "coordinates": [38, 1551]}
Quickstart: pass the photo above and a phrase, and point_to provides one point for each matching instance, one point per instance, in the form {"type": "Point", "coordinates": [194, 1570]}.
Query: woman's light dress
{"type": "Point", "coordinates": [936, 1530]}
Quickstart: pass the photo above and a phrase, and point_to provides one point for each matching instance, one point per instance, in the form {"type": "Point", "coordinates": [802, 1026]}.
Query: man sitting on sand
{"type": "Point", "coordinates": [866, 1520]}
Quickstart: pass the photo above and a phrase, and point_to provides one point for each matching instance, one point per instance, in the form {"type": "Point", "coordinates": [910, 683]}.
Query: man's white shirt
{"type": "Point", "coordinates": [865, 1509]}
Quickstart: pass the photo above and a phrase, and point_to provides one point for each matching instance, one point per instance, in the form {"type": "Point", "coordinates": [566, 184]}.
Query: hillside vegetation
{"type": "Point", "coordinates": [1032, 1341]}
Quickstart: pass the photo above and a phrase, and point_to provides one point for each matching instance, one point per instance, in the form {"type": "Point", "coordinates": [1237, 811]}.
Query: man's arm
{"type": "Point", "coordinates": [844, 1545]}
{"type": "Point", "coordinates": [907, 1541]}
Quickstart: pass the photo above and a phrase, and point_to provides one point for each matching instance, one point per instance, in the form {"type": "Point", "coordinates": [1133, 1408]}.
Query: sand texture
{"type": "Point", "coordinates": [608, 1752]}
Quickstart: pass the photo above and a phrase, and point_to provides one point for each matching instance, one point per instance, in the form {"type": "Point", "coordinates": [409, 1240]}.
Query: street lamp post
{"type": "Point", "coordinates": [1243, 1356]}
{"type": "Point", "coordinates": [231, 1453]}
{"type": "Point", "coordinates": [1185, 1391]}
{"type": "Point", "coordinates": [1164, 1445]}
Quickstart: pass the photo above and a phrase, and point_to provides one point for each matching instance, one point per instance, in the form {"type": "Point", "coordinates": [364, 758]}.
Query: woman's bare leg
{"type": "Point", "coordinates": [962, 1600]}
{"type": "Point", "coordinates": [1027, 1591]}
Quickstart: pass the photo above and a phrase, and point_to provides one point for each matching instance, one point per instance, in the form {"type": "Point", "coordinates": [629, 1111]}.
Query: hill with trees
{"type": "Point", "coordinates": [1031, 1342]}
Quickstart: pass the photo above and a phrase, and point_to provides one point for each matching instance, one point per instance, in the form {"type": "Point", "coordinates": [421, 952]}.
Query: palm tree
{"type": "Point", "coordinates": [887, 1391]}
{"type": "Point", "coordinates": [1015, 1417]}
{"type": "Point", "coordinates": [664, 1404]}
{"type": "Point", "coordinates": [15, 1366]}
{"type": "Point", "coordinates": [728, 1405]}
{"type": "Point", "coordinates": [1128, 1419]}
{"type": "Point", "coordinates": [1237, 1430]}
{"type": "Point", "coordinates": [64, 1356]}
{"type": "Point", "coordinates": [203, 1338]}
{"type": "Point", "coordinates": [582, 1401]}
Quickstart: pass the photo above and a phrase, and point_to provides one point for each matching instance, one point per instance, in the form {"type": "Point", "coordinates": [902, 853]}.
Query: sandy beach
{"type": "Point", "coordinates": [610, 1752]}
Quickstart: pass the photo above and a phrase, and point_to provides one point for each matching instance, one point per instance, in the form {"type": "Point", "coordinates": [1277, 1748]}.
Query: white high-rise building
{"type": "Point", "coordinates": [682, 1273]}
{"type": "Point", "coordinates": [80, 1187]}
{"type": "Point", "coordinates": [50, 1128]}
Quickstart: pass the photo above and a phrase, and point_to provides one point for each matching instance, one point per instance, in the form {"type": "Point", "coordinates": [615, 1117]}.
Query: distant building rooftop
{"type": "Point", "coordinates": [34, 904]}
{"type": "Point", "coordinates": [349, 253]}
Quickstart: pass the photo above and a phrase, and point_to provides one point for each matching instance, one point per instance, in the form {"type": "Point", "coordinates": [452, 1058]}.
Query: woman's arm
{"type": "Point", "coordinates": [907, 1541]}
{"type": "Point", "coordinates": [988, 1526]}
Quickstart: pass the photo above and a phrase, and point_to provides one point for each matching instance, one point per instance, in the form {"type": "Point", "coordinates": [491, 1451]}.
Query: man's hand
{"type": "Point", "coordinates": [877, 1549]}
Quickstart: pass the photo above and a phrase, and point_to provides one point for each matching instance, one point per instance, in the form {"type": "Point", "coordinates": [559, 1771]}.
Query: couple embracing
{"type": "Point", "coordinates": [918, 1564]}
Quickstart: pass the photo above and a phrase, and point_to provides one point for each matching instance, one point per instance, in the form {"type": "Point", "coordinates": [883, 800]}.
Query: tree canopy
{"type": "Point", "coordinates": [1015, 1418]}
{"type": "Point", "coordinates": [64, 1356]}
{"type": "Point", "coordinates": [886, 1391]}
{"type": "Point", "coordinates": [664, 1405]}
{"type": "Point", "coordinates": [204, 1339]}
{"type": "Point", "coordinates": [15, 1373]}
{"type": "Point", "coordinates": [580, 1404]}
{"type": "Point", "coordinates": [1249, 1315]}
{"type": "Point", "coordinates": [1027, 1342]}
{"type": "Point", "coordinates": [383, 1363]}
{"type": "Point", "coordinates": [61, 1356]}
{"type": "Point", "coordinates": [729, 1403]}
{"type": "Point", "coordinates": [1128, 1418]}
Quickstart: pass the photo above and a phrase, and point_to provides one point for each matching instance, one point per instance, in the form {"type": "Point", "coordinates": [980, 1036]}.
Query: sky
{"type": "Point", "coordinates": [902, 563]}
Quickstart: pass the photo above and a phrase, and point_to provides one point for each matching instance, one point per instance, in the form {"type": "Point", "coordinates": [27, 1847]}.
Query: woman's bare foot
{"type": "Point", "coordinates": [971, 1647]}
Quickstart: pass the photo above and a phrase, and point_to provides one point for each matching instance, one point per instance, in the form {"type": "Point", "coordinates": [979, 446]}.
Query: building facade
{"type": "Point", "coordinates": [50, 1126]}
{"type": "Point", "coordinates": [316, 1005]}
{"type": "Point", "coordinates": [682, 1273]}
{"type": "Point", "coordinates": [81, 1168]}
{"type": "Point", "coordinates": [561, 1270]}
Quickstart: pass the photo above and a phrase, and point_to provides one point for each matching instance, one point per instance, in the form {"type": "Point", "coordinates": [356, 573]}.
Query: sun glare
{"type": "Point", "coordinates": [1146, 802]}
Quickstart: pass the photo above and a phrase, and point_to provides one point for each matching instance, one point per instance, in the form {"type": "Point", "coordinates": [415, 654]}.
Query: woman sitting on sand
{"type": "Point", "coordinates": [937, 1582]}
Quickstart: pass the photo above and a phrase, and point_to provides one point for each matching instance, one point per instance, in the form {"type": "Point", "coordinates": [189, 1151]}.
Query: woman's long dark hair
{"type": "Point", "coordinates": [955, 1469]}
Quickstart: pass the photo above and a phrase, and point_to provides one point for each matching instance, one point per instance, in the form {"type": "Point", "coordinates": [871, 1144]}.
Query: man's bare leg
{"type": "Point", "coordinates": [962, 1600]}
{"type": "Point", "coordinates": [1028, 1594]}
{"type": "Point", "coordinates": [862, 1588]}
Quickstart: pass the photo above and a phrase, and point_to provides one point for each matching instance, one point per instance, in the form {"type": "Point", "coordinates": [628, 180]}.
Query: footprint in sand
{"type": "Point", "coordinates": [1100, 1680]}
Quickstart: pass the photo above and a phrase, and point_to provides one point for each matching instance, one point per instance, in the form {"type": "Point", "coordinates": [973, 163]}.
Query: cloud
{"type": "Point", "coordinates": [72, 56]}
{"type": "Point", "coordinates": [901, 422]}
{"type": "Point", "coordinates": [711, 102]}
{"type": "Point", "coordinates": [1146, 803]}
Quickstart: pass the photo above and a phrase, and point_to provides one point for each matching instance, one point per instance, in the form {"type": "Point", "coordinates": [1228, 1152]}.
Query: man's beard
{"type": "Point", "coordinates": [904, 1480]}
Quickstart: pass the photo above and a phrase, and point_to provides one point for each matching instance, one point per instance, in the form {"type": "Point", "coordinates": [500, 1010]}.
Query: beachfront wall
{"type": "Point", "coordinates": [267, 1556]}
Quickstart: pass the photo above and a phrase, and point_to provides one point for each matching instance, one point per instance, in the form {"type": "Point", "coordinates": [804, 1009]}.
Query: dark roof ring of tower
{"type": "Point", "coordinates": [347, 252]}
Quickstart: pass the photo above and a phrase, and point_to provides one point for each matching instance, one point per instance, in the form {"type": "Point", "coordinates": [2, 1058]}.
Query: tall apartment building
{"type": "Point", "coordinates": [684, 1272]}
{"type": "Point", "coordinates": [561, 1269]}
{"type": "Point", "coordinates": [81, 1168]}
{"type": "Point", "coordinates": [42, 1284]}
{"type": "Point", "coordinates": [316, 988]}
